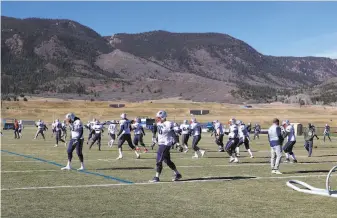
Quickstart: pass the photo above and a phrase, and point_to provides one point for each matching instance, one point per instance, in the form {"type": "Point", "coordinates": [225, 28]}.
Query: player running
{"type": "Point", "coordinates": [76, 141]}
{"type": "Point", "coordinates": [112, 132]}
{"type": "Point", "coordinates": [97, 130]}
{"type": "Point", "coordinates": [288, 147]}
{"type": "Point", "coordinates": [219, 133]}
{"type": "Point", "coordinates": [165, 141]}
{"type": "Point", "coordinates": [185, 129]}
{"type": "Point", "coordinates": [125, 135]}
{"type": "Point", "coordinates": [58, 132]}
{"type": "Point", "coordinates": [195, 131]}
{"type": "Point", "coordinates": [139, 134]}
{"type": "Point", "coordinates": [233, 140]}
{"type": "Point", "coordinates": [326, 132]}
{"type": "Point", "coordinates": [40, 129]}
{"type": "Point", "coordinates": [243, 138]}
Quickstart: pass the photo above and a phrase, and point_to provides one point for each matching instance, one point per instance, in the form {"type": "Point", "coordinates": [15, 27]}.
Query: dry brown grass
{"type": "Point", "coordinates": [49, 109]}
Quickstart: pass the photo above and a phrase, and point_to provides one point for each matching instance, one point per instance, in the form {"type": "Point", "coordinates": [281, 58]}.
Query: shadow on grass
{"type": "Point", "coordinates": [307, 171]}
{"type": "Point", "coordinates": [126, 168]}
{"type": "Point", "coordinates": [218, 178]}
{"type": "Point", "coordinates": [328, 155]}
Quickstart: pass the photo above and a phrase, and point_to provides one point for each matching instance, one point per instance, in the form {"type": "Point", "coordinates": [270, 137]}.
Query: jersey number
{"type": "Point", "coordinates": [160, 130]}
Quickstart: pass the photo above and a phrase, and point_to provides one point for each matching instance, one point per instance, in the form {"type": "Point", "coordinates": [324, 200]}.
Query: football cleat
{"type": "Point", "coordinates": [66, 168]}
{"type": "Point", "coordinates": [155, 179]}
{"type": "Point", "coordinates": [177, 177]}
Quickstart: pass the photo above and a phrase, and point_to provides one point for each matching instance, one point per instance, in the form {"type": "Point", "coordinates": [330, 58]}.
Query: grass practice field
{"type": "Point", "coordinates": [32, 184]}
{"type": "Point", "coordinates": [49, 110]}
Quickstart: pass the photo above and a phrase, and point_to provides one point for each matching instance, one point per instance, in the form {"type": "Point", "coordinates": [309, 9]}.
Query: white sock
{"type": "Point", "coordinates": [186, 147]}
{"type": "Point", "coordinates": [120, 151]}
{"type": "Point", "coordinates": [237, 149]}
{"type": "Point", "coordinates": [157, 175]}
{"type": "Point", "coordinates": [196, 153]}
{"type": "Point", "coordinates": [82, 165]}
{"type": "Point", "coordinates": [250, 152]}
{"type": "Point", "coordinates": [176, 172]}
{"type": "Point", "coordinates": [287, 155]}
{"type": "Point", "coordinates": [69, 164]}
{"type": "Point", "coordinates": [293, 156]}
{"type": "Point", "coordinates": [112, 142]}
{"type": "Point", "coordinates": [136, 153]}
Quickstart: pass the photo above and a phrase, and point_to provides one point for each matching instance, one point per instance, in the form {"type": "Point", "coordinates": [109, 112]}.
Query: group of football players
{"type": "Point", "coordinates": [167, 135]}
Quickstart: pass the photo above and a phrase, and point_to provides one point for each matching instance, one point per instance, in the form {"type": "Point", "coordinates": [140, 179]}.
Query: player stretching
{"type": "Point", "coordinates": [97, 129]}
{"type": "Point", "coordinates": [58, 132]}
{"type": "Point", "coordinates": [112, 132]}
{"type": "Point", "coordinates": [125, 135]}
{"type": "Point", "coordinates": [243, 139]}
{"type": "Point", "coordinates": [233, 140]}
{"type": "Point", "coordinates": [326, 132]}
{"type": "Point", "coordinates": [196, 132]}
{"type": "Point", "coordinates": [288, 148]}
{"type": "Point", "coordinates": [139, 134]}
{"type": "Point", "coordinates": [185, 129]}
{"type": "Point", "coordinates": [165, 141]}
{"type": "Point", "coordinates": [76, 141]}
{"type": "Point", "coordinates": [40, 129]}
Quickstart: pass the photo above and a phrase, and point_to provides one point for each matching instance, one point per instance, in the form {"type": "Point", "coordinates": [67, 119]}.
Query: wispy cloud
{"type": "Point", "coordinates": [328, 54]}
{"type": "Point", "coordinates": [324, 45]}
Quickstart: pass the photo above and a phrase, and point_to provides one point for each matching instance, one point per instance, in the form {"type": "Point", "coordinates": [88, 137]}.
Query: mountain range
{"type": "Point", "coordinates": [64, 58]}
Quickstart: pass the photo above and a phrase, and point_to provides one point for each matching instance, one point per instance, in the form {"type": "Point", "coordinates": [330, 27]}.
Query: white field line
{"type": "Point", "coordinates": [149, 183]}
{"type": "Point", "coordinates": [194, 166]}
{"type": "Point", "coordinates": [27, 171]}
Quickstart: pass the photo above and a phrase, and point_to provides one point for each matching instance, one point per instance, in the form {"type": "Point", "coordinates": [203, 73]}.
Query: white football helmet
{"type": "Point", "coordinates": [161, 115]}
{"type": "Point", "coordinates": [232, 121]}
{"type": "Point", "coordinates": [70, 117]}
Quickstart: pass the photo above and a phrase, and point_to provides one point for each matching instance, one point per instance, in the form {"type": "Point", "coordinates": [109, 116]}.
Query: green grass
{"type": "Point", "coordinates": [224, 196]}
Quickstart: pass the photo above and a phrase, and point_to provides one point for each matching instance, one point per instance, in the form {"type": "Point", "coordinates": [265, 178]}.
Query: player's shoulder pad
{"type": "Point", "coordinates": [168, 124]}
{"type": "Point", "coordinates": [77, 122]}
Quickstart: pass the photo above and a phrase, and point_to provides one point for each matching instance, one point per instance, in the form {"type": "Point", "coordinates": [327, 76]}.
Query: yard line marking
{"type": "Point", "coordinates": [148, 183]}
{"type": "Point", "coordinates": [27, 171]}
{"type": "Point", "coordinates": [60, 165]}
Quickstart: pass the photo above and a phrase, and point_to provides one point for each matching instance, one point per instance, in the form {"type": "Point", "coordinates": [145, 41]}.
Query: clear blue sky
{"type": "Point", "coordinates": [273, 28]}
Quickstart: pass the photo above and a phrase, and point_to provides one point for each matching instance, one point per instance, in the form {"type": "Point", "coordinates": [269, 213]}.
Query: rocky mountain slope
{"type": "Point", "coordinates": [63, 57]}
